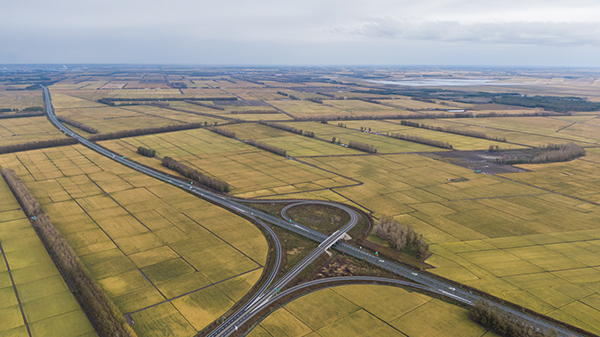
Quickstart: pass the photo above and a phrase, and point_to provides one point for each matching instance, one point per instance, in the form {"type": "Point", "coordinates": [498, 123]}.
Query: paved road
{"type": "Point", "coordinates": [234, 205]}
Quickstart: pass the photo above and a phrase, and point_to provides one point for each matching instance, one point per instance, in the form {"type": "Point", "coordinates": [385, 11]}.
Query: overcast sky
{"type": "Point", "coordinates": [302, 32]}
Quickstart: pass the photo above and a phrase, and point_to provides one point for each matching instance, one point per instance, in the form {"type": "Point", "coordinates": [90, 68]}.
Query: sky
{"type": "Point", "coordinates": [302, 32]}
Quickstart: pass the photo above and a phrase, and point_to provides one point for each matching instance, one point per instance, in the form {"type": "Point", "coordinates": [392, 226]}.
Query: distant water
{"type": "Point", "coordinates": [444, 82]}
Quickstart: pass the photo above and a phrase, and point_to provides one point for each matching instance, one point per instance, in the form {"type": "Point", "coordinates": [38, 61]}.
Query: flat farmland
{"type": "Point", "coordinates": [93, 95]}
{"type": "Point", "coordinates": [229, 108]}
{"type": "Point", "coordinates": [27, 129]}
{"type": "Point", "coordinates": [306, 108]}
{"type": "Point", "coordinates": [294, 144]}
{"type": "Point", "coordinates": [169, 259]}
{"type": "Point", "coordinates": [20, 99]}
{"type": "Point", "coordinates": [60, 101]}
{"type": "Point", "coordinates": [32, 291]}
{"type": "Point", "coordinates": [383, 144]}
{"type": "Point", "coordinates": [489, 233]}
{"type": "Point", "coordinates": [172, 115]}
{"type": "Point", "coordinates": [458, 142]}
{"type": "Point", "coordinates": [406, 103]}
{"type": "Point", "coordinates": [367, 310]}
{"type": "Point", "coordinates": [533, 131]}
{"type": "Point", "coordinates": [358, 107]}
{"type": "Point", "coordinates": [251, 172]}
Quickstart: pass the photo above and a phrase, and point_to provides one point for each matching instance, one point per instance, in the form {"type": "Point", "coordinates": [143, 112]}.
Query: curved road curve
{"type": "Point", "coordinates": [233, 205]}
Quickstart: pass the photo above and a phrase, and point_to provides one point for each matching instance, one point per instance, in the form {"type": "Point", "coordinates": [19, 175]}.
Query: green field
{"type": "Point", "coordinates": [150, 246]}
{"type": "Point", "coordinates": [27, 270]}
{"type": "Point", "coordinates": [367, 310]}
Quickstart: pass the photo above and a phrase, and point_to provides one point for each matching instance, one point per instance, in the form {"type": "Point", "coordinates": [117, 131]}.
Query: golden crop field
{"type": "Point", "coordinates": [152, 247]}
{"type": "Point", "coordinates": [458, 142]}
{"type": "Point", "coordinates": [250, 171]}
{"type": "Point", "coordinates": [19, 99]}
{"type": "Point", "coordinates": [229, 108]}
{"type": "Point", "coordinates": [367, 310]}
{"type": "Point", "coordinates": [27, 271]}
{"type": "Point", "coordinates": [27, 129]}
{"type": "Point", "coordinates": [383, 144]}
{"type": "Point", "coordinates": [306, 108]}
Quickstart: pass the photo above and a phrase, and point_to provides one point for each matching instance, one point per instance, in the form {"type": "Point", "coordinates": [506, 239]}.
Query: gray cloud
{"type": "Point", "coordinates": [516, 33]}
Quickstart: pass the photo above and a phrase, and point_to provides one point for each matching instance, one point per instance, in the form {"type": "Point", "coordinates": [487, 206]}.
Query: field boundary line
{"type": "Point", "coordinates": [14, 286]}
{"type": "Point", "coordinates": [193, 291]}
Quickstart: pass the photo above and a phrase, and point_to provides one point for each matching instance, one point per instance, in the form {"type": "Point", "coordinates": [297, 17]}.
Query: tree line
{"type": "Point", "coordinates": [468, 133]}
{"type": "Point", "coordinates": [422, 116]}
{"type": "Point", "coordinates": [142, 99]}
{"type": "Point", "coordinates": [77, 124]}
{"type": "Point", "coordinates": [362, 147]}
{"type": "Point", "coordinates": [101, 311]}
{"type": "Point", "coordinates": [559, 152]}
{"type": "Point", "coordinates": [223, 132]}
{"type": "Point", "coordinates": [553, 103]}
{"type": "Point", "coordinates": [42, 144]}
{"type": "Point", "coordinates": [267, 147]}
{"type": "Point", "coordinates": [421, 140]}
{"type": "Point", "coordinates": [144, 151]}
{"type": "Point", "coordinates": [287, 128]}
{"type": "Point", "coordinates": [401, 237]}
{"type": "Point", "coordinates": [504, 323]}
{"type": "Point", "coordinates": [195, 175]}
{"type": "Point", "coordinates": [145, 131]}
{"type": "Point", "coordinates": [22, 114]}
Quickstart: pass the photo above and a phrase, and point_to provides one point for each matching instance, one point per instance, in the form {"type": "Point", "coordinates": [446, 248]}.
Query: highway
{"type": "Point", "coordinates": [330, 242]}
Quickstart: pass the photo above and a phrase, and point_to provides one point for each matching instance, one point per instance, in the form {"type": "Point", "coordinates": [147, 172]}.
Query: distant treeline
{"type": "Point", "coordinates": [282, 93]}
{"type": "Point", "coordinates": [362, 147]}
{"type": "Point", "coordinates": [287, 128]}
{"type": "Point", "coordinates": [223, 132]}
{"type": "Point", "coordinates": [42, 144]}
{"type": "Point", "coordinates": [468, 133]}
{"type": "Point", "coordinates": [77, 124]}
{"type": "Point", "coordinates": [401, 237]}
{"type": "Point", "coordinates": [22, 114]}
{"type": "Point", "coordinates": [552, 103]}
{"type": "Point", "coordinates": [266, 147]}
{"type": "Point", "coordinates": [549, 154]}
{"type": "Point", "coordinates": [504, 323]}
{"type": "Point", "coordinates": [145, 131]}
{"type": "Point", "coordinates": [212, 106]}
{"type": "Point", "coordinates": [421, 116]}
{"type": "Point", "coordinates": [142, 99]}
{"type": "Point", "coordinates": [146, 151]}
{"type": "Point", "coordinates": [101, 311]}
{"type": "Point", "coordinates": [195, 175]}
{"type": "Point", "coordinates": [28, 109]}
{"type": "Point", "coordinates": [421, 140]}
{"type": "Point", "coordinates": [254, 112]}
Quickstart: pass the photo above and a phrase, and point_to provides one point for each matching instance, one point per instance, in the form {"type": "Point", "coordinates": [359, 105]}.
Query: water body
{"type": "Point", "coordinates": [444, 82]}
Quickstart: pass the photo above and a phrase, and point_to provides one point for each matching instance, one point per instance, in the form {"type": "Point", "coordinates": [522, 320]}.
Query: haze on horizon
{"type": "Point", "coordinates": [310, 32]}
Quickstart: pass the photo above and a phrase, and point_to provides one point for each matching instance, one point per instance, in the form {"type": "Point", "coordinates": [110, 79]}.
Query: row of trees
{"type": "Point", "coordinates": [103, 313]}
{"type": "Point", "coordinates": [422, 116]}
{"type": "Point", "coordinates": [254, 112]}
{"type": "Point", "coordinates": [266, 147]}
{"type": "Point", "coordinates": [42, 144]}
{"type": "Point", "coordinates": [195, 175]}
{"type": "Point", "coordinates": [22, 114]}
{"type": "Point", "coordinates": [468, 133]}
{"type": "Point", "coordinates": [504, 323]}
{"type": "Point", "coordinates": [212, 106]}
{"type": "Point", "coordinates": [559, 152]}
{"type": "Point", "coordinates": [223, 132]}
{"type": "Point", "coordinates": [144, 151]}
{"type": "Point", "coordinates": [402, 237]}
{"type": "Point", "coordinates": [421, 140]}
{"type": "Point", "coordinates": [77, 124]}
{"type": "Point", "coordinates": [145, 131]}
{"type": "Point", "coordinates": [287, 128]}
{"type": "Point", "coordinates": [362, 146]}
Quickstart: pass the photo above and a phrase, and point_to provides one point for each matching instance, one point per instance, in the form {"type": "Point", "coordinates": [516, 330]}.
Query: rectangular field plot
{"type": "Point", "coordinates": [27, 129]}
{"type": "Point", "coordinates": [251, 172]}
{"type": "Point", "coordinates": [533, 131]}
{"type": "Point", "coordinates": [30, 284]}
{"type": "Point", "coordinates": [458, 142]}
{"type": "Point", "coordinates": [147, 243]}
{"type": "Point", "coordinates": [344, 135]}
{"type": "Point", "coordinates": [228, 109]}
{"type": "Point", "coordinates": [19, 99]}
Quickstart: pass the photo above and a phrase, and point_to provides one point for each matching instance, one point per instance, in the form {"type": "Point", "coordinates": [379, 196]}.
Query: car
{"type": "Point", "coordinates": [414, 274]}
{"type": "Point", "coordinates": [451, 288]}
{"type": "Point", "coordinates": [382, 261]}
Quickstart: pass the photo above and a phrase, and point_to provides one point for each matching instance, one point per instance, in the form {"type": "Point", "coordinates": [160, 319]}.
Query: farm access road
{"type": "Point", "coordinates": [251, 308]}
